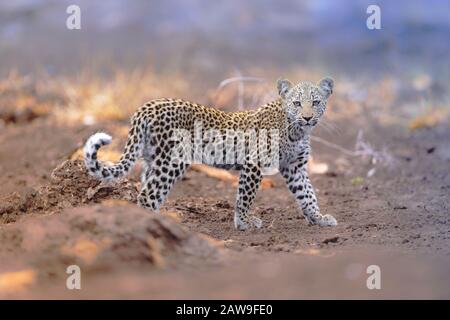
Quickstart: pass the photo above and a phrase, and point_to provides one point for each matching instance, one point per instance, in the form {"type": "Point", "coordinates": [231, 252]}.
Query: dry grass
{"type": "Point", "coordinates": [91, 99]}
{"type": "Point", "coordinates": [429, 118]}
{"type": "Point", "coordinates": [88, 98]}
{"type": "Point", "coordinates": [85, 98]}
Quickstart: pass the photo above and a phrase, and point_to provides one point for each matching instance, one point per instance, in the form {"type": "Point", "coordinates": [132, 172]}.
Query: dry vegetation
{"type": "Point", "coordinates": [87, 98]}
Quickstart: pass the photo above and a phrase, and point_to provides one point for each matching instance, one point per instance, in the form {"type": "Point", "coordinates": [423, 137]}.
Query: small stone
{"type": "Point", "coordinates": [331, 240]}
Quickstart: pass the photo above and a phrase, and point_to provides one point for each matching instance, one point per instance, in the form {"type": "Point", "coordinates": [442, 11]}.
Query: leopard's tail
{"type": "Point", "coordinates": [104, 172]}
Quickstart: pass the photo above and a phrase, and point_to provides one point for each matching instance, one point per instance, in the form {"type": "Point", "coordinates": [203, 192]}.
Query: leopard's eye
{"type": "Point", "coordinates": [316, 103]}
{"type": "Point", "coordinates": [297, 103]}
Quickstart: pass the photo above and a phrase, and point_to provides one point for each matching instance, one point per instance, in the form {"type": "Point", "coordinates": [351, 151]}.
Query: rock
{"type": "Point", "coordinates": [331, 240]}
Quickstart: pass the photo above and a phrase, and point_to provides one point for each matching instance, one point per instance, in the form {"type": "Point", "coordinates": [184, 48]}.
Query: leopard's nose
{"type": "Point", "coordinates": [307, 118]}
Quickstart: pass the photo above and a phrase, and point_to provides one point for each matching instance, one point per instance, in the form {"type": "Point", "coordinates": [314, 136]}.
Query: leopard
{"type": "Point", "coordinates": [293, 114]}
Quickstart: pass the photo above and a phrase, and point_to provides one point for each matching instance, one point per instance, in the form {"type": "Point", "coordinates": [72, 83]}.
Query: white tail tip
{"type": "Point", "coordinates": [100, 137]}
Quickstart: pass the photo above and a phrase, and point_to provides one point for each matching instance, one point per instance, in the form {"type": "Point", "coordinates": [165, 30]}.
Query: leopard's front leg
{"type": "Point", "coordinates": [249, 182]}
{"type": "Point", "coordinates": [299, 184]}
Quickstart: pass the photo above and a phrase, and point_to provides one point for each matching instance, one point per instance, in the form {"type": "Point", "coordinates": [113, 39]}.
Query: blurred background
{"type": "Point", "coordinates": [193, 45]}
{"type": "Point", "coordinates": [211, 37]}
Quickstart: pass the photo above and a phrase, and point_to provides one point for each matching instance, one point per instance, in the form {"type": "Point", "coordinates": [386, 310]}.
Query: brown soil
{"type": "Point", "coordinates": [53, 215]}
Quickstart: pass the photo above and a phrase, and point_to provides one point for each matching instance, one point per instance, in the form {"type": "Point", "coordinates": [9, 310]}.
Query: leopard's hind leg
{"type": "Point", "coordinates": [158, 179]}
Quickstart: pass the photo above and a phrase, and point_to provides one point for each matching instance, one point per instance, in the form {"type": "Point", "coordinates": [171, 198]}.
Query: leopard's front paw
{"type": "Point", "coordinates": [322, 220]}
{"type": "Point", "coordinates": [327, 221]}
{"type": "Point", "coordinates": [255, 222]}
{"type": "Point", "coordinates": [250, 223]}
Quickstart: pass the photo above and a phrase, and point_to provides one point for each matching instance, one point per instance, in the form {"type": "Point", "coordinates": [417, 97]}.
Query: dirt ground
{"type": "Point", "coordinates": [53, 215]}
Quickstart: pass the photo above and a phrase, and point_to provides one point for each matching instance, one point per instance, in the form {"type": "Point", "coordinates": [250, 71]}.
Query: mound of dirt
{"type": "Point", "coordinates": [70, 186]}
{"type": "Point", "coordinates": [111, 236]}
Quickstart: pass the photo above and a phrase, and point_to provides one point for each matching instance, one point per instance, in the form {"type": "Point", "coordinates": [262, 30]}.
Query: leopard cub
{"type": "Point", "coordinates": [154, 125]}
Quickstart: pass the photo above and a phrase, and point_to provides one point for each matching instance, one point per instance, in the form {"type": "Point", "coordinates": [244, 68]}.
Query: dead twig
{"type": "Point", "coordinates": [363, 149]}
{"type": "Point", "coordinates": [227, 176]}
{"type": "Point", "coordinates": [240, 94]}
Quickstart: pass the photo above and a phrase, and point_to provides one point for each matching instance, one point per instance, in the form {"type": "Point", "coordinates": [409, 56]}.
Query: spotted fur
{"type": "Point", "coordinates": [294, 114]}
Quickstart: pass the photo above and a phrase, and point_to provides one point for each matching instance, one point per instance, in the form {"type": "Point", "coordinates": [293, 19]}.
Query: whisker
{"type": "Point", "coordinates": [331, 126]}
{"type": "Point", "coordinates": [328, 127]}
{"type": "Point", "coordinates": [325, 127]}
{"type": "Point", "coordinates": [292, 123]}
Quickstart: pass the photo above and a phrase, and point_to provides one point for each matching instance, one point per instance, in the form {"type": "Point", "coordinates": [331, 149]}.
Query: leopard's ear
{"type": "Point", "coordinates": [283, 86]}
{"type": "Point", "coordinates": [326, 86]}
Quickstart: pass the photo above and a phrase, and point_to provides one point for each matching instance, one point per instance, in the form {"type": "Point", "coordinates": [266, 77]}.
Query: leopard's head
{"type": "Point", "coordinates": [305, 102]}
